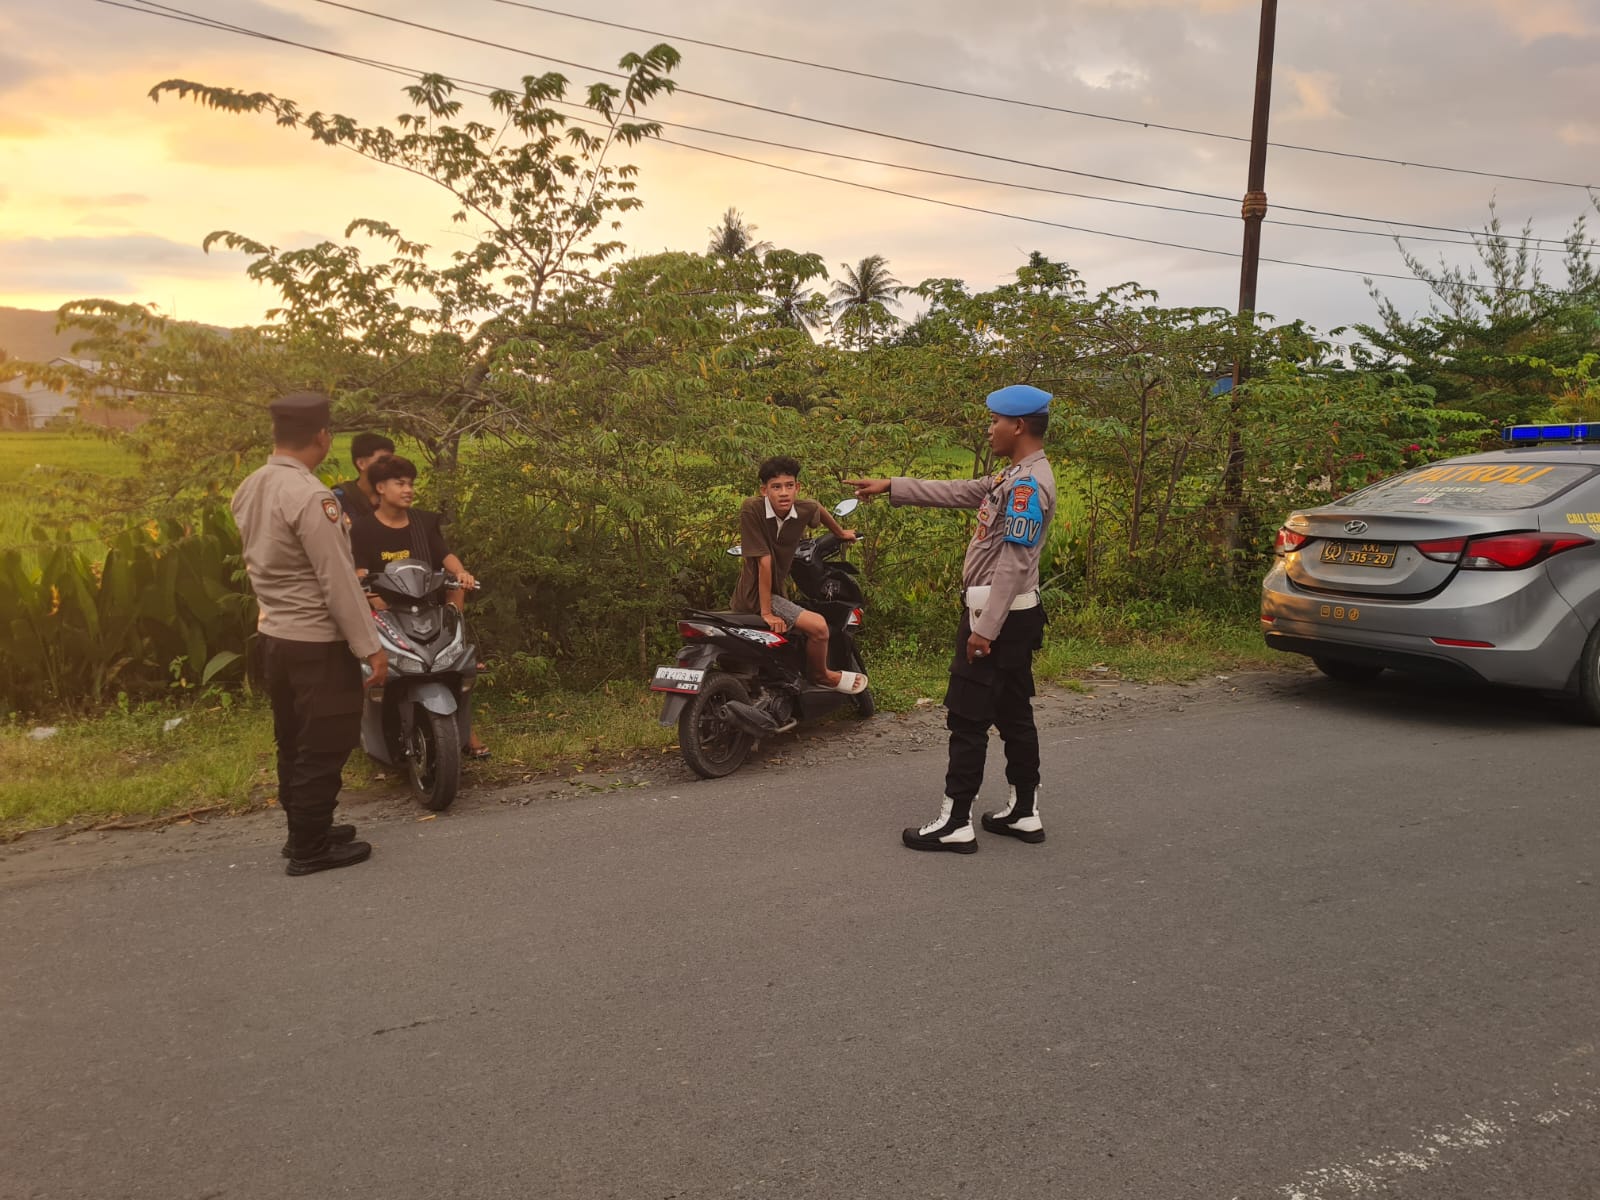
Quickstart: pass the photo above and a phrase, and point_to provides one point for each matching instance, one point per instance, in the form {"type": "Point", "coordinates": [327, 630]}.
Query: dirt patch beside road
{"type": "Point", "coordinates": [49, 854]}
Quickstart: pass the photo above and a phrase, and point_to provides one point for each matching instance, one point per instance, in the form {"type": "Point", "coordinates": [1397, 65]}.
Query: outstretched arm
{"type": "Point", "coordinates": [926, 493]}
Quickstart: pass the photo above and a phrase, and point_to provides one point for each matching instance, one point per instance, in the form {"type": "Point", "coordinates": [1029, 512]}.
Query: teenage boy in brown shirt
{"type": "Point", "coordinates": [771, 524]}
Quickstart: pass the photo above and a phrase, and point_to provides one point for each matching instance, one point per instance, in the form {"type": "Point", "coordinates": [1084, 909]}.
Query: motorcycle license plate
{"type": "Point", "coordinates": [685, 680]}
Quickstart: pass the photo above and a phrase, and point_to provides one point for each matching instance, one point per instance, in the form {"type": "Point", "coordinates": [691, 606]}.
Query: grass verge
{"type": "Point", "coordinates": [127, 766]}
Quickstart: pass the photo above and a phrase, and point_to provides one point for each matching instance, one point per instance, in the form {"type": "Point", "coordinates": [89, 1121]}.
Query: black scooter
{"type": "Point", "coordinates": [736, 682]}
{"type": "Point", "coordinates": [420, 716]}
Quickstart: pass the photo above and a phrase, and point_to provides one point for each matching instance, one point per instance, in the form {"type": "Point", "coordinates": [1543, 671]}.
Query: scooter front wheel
{"type": "Point", "coordinates": [709, 741]}
{"type": "Point", "coordinates": [433, 759]}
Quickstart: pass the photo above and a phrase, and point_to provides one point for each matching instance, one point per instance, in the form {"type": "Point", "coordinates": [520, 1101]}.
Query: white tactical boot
{"type": "Point", "coordinates": [1023, 824]}
{"type": "Point", "coordinates": [945, 833]}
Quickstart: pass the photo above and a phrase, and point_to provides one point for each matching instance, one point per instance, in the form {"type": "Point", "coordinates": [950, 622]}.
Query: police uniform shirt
{"type": "Point", "coordinates": [1015, 507]}
{"type": "Point", "coordinates": [761, 534]}
{"type": "Point", "coordinates": [297, 554]}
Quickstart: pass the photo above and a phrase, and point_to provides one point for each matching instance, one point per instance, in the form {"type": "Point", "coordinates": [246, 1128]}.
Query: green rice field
{"type": "Point", "coordinates": [45, 472]}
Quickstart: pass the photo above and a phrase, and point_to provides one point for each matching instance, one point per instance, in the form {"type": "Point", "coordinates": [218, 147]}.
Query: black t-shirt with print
{"type": "Point", "coordinates": [375, 545]}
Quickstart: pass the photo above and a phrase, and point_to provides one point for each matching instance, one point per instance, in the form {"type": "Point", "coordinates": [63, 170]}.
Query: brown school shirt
{"type": "Point", "coordinates": [762, 536]}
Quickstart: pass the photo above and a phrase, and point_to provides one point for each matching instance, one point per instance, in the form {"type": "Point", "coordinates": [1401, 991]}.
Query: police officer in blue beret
{"type": "Point", "coordinates": [1002, 623]}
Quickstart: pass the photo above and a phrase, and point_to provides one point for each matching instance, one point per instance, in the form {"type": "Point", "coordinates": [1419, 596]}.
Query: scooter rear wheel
{"type": "Point", "coordinates": [434, 762]}
{"type": "Point", "coordinates": [710, 743]}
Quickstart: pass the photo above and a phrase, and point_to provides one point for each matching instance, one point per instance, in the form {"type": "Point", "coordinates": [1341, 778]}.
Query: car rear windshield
{"type": "Point", "coordinates": [1471, 486]}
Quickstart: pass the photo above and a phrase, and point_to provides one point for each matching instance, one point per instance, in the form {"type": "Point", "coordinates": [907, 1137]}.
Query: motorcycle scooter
{"type": "Point", "coordinates": [736, 682]}
{"type": "Point", "coordinates": [420, 717]}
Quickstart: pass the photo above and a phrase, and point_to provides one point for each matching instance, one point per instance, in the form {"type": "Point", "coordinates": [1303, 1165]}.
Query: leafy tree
{"type": "Point", "coordinates": [861, 299]}
{"type": "Point", "coordinates": [1486, 323]}
{"type": "Point", "coordinates": [424, 345]}
{"type": "Point", "coordinates": [791, 303]}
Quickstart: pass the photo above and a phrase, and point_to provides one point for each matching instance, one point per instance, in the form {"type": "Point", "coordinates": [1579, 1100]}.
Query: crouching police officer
{"type": "Point", "coordinates": [314, 629]}
{"type": "Point", "coordinates": [1002, 623]}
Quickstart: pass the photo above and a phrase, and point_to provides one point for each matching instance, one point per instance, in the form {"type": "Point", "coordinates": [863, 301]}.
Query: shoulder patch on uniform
{"type": "Point", "coordinates": [331, 509]}
{"type": "Point", "coordinates": [1024, 517]}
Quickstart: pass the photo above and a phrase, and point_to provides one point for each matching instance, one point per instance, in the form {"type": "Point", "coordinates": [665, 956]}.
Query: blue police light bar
{"type": "Point", "coordinates": [1531, 434]}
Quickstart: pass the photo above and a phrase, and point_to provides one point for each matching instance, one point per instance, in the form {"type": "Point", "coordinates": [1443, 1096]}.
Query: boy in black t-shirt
{"type": "Point", "coordinates": [397, 532]}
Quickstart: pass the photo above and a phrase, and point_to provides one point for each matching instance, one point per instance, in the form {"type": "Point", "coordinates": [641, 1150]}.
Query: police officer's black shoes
{"type": "Point", "coordinates": [946, 833]}
{"type": "Point", "coordinates": [1017, 820]}
{"type": "Point", "coordinates": [334, 854]}
{"type": "Point", "coordinates": [336, 834]}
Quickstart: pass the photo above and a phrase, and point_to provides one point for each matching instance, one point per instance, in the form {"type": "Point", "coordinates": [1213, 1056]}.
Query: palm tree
{"type": "Point", "coordinates": [734, 237]}
{"type": "Point", "coordinates": [791, 303]}
{"type": "Point", "coordinates": [862, 297]}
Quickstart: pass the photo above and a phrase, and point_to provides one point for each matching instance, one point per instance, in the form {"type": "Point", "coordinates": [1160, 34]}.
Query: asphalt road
{"type": "Point", "coordinates": [1303, 944]}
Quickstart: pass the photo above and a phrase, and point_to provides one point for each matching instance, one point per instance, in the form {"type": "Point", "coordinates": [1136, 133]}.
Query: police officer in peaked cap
{"type": "Point", "coordinates": [315, 629]}
{"type": "Point", "coordinates": [1002, 622]}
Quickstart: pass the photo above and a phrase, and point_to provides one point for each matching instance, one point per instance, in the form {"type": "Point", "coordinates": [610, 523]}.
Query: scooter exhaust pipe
{"type": "Point", "coordinates": [751, 719]}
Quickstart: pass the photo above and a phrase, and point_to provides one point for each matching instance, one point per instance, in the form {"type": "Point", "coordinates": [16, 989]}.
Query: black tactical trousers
{"type": "Point", "coordinates": [315, 688]}
{"type": "Point", "coordinates": [995, 690]}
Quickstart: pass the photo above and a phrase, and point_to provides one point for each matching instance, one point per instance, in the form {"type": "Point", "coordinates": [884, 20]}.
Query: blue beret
{"type": "Point", "coordinates": [1019, 400]}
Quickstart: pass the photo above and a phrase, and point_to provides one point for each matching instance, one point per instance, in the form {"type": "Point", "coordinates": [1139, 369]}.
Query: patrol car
{"type": "Point", "coordinates": [1485, 567]}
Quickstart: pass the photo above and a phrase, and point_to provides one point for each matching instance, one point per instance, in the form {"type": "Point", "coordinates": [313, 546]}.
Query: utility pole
{"type": "Point", "coordinates": [1255, 208]}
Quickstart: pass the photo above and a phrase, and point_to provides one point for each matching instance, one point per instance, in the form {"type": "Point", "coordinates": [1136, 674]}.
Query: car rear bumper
{"type": "Point", "coordinates": [1534, 635]}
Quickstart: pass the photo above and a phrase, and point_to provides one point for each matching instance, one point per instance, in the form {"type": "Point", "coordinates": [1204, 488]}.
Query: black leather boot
{"type": "Point", "coordinates": [336, 834]}
{"type": "Point", "coordinates": [333, 855]}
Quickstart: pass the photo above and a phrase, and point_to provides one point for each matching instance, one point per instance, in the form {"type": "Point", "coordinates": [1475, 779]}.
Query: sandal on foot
{"type": "Point", "coordinates": [851, 683]}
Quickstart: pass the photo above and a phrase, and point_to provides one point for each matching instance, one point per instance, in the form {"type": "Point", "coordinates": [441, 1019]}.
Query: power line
{"type": "Point", "coordinates": [450, 33]}
{"type": "Point", "coordinates": [1033, 104]}
{"type": "Point", "coordinates": [777, 112]}
{"type": "Point", "coordinates": [150, 8]}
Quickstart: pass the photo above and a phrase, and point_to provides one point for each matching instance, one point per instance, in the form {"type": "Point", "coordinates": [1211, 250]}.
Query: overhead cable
{"type": "Point", "coordinates": [794, 116]}
{"type": "Point", "coordinates": [472, 87]}
{"type": "Point", "coordinates": [1033, 104]}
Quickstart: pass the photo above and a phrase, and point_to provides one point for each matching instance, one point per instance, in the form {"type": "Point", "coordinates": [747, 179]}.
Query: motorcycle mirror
{"type": "Point", "coordinates": [735, 552]}
{"type": "Point", "coordinates": [845, 507]}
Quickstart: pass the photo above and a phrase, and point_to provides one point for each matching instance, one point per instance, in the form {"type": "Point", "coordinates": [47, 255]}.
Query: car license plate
{"type": "Point", "coordinates": [1359, 554]}
{"type": "Point", "coordinates": [685, 680]}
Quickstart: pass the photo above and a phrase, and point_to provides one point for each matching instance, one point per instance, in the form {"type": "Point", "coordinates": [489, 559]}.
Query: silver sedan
{"type": "Point", "coordinates": [1485, 567]}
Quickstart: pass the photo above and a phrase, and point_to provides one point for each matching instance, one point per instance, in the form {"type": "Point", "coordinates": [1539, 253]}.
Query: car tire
{"type": "Point", "coordinates": [1589, 678]}
{"type": "Point", "coordinates": [1347, 672]}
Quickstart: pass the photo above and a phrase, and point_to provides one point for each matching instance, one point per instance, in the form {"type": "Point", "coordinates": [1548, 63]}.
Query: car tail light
{"type": "Point", "coordinates": [1514, 551]}
{"type": "Point", "coordinates": [689, 630]}
{"type": "Point", "coordinates": [1462, 642]}
{"type": "Point", "coordinates": [1288, 540]}
{"type": "Point", "coordinates": [1446, 550]}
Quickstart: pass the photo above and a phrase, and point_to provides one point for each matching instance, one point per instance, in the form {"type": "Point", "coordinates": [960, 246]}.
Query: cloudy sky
{"type": "Point", "coordinates": [104, 193]}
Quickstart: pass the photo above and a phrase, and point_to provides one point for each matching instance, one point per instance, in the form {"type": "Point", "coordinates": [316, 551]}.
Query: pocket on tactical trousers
{"type": "Point", "coordinates": [333, 709]}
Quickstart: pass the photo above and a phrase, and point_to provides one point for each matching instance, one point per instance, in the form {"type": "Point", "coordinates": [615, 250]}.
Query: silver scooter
{"type": "Point", "coordinates": [421, 717]}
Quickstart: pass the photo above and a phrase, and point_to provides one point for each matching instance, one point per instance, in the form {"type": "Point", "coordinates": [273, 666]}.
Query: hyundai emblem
{"type": "Point", "coordinates": [1355, 526]}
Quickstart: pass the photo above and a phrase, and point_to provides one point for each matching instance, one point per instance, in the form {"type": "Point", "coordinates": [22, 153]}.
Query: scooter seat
{"type": "Point", "coordinates": [746, 620]}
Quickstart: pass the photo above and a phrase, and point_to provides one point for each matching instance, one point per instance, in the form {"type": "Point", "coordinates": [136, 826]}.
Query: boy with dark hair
{"type": "Point", "coordinates": [397, 532]}
{"type": "Point", "coordinates": [771, 524]}
{"type": "Point", "coordinates": [366, 449]}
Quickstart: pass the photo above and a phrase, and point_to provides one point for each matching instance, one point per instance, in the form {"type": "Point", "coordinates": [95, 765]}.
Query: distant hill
{"type": "Point", "coordinates": [30, 334]}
